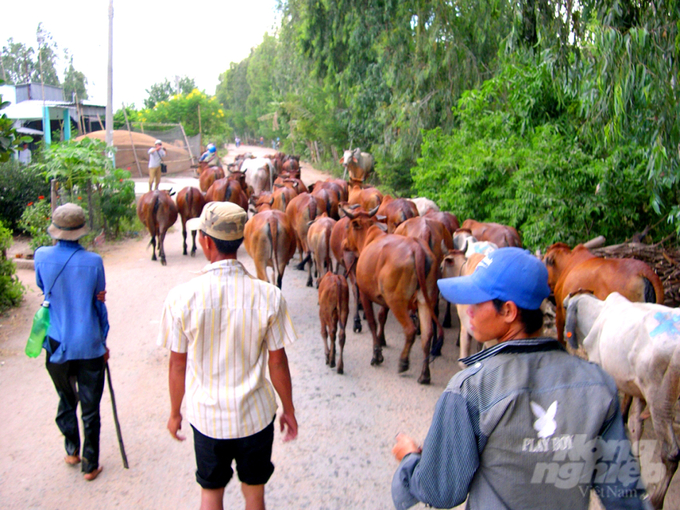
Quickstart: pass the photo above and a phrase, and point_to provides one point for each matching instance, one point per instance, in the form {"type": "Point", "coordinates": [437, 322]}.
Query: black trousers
{"type": "Point", "coordinates": [88, 376]}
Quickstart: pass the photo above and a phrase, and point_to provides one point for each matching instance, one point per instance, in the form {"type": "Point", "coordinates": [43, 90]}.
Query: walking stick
{"type": "Point", "coordinates": [115, 418]}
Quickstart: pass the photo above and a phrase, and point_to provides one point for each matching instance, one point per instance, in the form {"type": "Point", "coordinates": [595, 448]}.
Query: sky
{"type": "Point", "coordinates": [152, 40]}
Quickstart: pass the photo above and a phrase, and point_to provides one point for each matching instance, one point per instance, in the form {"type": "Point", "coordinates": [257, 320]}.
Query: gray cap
{"type": "Point", "coordinates": [68, 223]}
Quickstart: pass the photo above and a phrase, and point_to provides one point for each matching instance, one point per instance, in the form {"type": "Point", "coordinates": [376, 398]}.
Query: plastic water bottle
{"type": "Point", "coordinates": [41, 322]}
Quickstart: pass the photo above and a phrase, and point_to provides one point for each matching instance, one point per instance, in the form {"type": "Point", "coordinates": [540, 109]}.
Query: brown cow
{"type": "Point", "coordinates": [158, 212]}
{"type": "Point", "coordinates": [346, 259]}
{"type": "Point", "coordinates": [446, 218]}
{"type": "Point", "coordinates": [303, 209]}
{"type": "Point", "coordinates": [438, 239]}
{"type": "Point", "coordinates": [296, 184]}
{"type": "Point", "coordinates": [270, 241]}
{"type": "Point", "coordinates": [190, 202]}
{"type": "Point", "coordinates": [399, 274]}
{"type": "Point", "coordinates": [578, 269]}
{"type": "Point", "coordinates": [500, 235]}
{"type": "Point", "coordinates": [333, 308]}
{"type": "Point", "coordinates": [329, 199]}
{"type": "Point", "coordinates": [367, 198]}
{"type": "Point", "coordinates": [318, 240]}
{"type": "Point", "coordinates": [239, 177]}
{"type": "Point", "coordinates": [208, 175]}
{"type": "Point", "coordinates": [291, 167]}
{"type": "Point", "coordinates": [227, 190]}
{"type": "Point", "coordinates": [396, 211]}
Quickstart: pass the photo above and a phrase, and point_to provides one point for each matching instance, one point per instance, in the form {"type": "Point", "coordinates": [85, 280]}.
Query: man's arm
{"type": "Point", "coordinates": [280, 375]}
{"type": "Point", "coordinates": [176, 378]}
{"type": "Point", "coordinates": [439, 476]}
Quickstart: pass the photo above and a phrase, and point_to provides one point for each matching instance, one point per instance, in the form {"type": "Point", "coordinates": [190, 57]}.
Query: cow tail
{"type": "Point", "coordinates": [274, 239]}
{"type": "Point", "coordinates": [152, 215]}
{"type": "Point", "coordinates": [654, 292]}
{"type": "Point", "coordinates": [189, 197]}
{"type": "Point", "coordinates": [328, 205]}
{"type": "Point", "coordinates": [312, 208]}
{"type": "Point", "coordinates": [422, 260]}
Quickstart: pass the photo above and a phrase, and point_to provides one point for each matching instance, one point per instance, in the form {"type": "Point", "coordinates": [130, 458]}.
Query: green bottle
{"type": "Point", "coordinates": [41, 323]}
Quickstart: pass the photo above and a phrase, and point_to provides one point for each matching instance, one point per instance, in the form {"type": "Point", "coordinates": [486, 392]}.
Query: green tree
{"type": "Point", "coordinates": [165, 90]}
{"type": "Point", "coordinates": [17, 62]}
{"type": "Point", "coordinates": [185, 109]}
{"type": "Point", "coordinates": [75, 82]}
{"type": "Point", "coordinates": [46, 65]}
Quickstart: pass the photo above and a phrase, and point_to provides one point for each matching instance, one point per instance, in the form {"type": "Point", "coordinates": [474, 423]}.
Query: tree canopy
{"type": "Point", "coordinates": [557, 117]}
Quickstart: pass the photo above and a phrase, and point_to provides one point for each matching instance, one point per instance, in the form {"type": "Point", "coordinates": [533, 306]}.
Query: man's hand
{"type": "Point", "coordinates": [174, 425]}
{"type": "Point", "coordinates": [107, 355]}
{"type": "Point", "coordinates": [289, 423]}
{"type": "Point", "coordinates": [404, 446]}
{"type": "Point", "coordinates": [101, 296]}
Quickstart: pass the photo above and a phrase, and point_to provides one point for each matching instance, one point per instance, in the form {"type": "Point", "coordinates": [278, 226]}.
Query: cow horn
{"type": "Point", "coordinates": [348, 213]}
{"type": "Point", "coordinates": [373, 211]}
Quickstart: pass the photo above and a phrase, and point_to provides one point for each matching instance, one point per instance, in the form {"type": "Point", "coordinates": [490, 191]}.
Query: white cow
{"type": "Point", "coordinates": [358, 164]}
{"type": "Point", "coordinates": [424, 205]}
{"type": "Point", "coordinates": [260, 174]}
{"type": "Point", "coordinates": [638, 344]}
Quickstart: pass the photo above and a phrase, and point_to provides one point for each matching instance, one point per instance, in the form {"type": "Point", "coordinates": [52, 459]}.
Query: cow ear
{"type": "Point", "coordinates": [549, 260]}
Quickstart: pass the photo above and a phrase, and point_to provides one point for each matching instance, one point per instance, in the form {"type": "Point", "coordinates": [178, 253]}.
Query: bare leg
{"type": "Point", "coordinates": [212, 499]}
{"type": "Point", "coordinates": [254, 495]}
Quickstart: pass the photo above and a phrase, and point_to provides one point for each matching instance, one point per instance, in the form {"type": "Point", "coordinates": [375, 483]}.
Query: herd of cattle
{"type": "Point", "coordinates": [391, 251]}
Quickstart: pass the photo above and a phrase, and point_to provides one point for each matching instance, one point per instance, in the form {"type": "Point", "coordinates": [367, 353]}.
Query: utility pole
{"type": "Point", "coordinates": [109, 84]}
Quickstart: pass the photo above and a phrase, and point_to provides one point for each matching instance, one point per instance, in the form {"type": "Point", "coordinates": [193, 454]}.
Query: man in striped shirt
{"type": "Point", "coordinates": [222, 328]}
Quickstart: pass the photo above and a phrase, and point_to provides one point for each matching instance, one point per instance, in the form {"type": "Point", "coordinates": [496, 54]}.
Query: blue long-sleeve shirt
{"type": "Point", "coordinates": [78, 321]}
{"type": "Point", "coordinates": [526, 426]}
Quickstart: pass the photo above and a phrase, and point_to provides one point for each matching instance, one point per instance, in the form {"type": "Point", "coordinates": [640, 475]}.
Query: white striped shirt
{"type": "Point", "coordinates": [226, 321]}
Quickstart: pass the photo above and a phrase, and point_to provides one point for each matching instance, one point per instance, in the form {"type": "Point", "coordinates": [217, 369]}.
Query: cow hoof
{"type": "Point", "coordinates": [446, 323]}
{"type": "Point", "coordinates": [184, 252]}
{"type": "Point", "coordinates": [193, 253]}
{"type": "Point", "coordinates": [163, 262]}
{"type": "Point", "coordinates": [424, 379]}
{"type": "Point", "coordinates": [332, 363]}
{"type": "Point", "coordinates": [309, 283]}
{"type": "Point", "coordinates": [403, 365]}
{"type": "Point", "coordinates": [341, 370]}
{"type": "Point", "coordinates": [357, 325]}
{"type": "Point", "coordinates": [300, 267]}
{"type": "Point", "coordinates": [377, 358]}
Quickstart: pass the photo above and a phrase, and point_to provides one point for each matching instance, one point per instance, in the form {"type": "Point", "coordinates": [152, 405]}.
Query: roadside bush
{"type": "Point", "coordinates": [35, 220]}
{"type": "Point", "coordinates": [11, 289]}
{"type": "Point", "coordinates": [117, 200]}
{"type": "Point", "coordinates": [19, 185]}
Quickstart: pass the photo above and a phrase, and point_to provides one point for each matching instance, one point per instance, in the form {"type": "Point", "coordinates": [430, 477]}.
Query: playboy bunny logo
{"type": "Point", "coordinates": [545, 425]}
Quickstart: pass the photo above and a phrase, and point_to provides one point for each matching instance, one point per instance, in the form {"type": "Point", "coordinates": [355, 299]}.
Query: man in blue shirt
{"type": "Point", "coordinates": [73, 282]}
{"type": "Point", "coordinates": [527, 425]}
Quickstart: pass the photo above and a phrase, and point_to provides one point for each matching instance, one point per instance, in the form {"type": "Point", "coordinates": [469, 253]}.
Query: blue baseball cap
{"type": "Point", "coordinates": [508, 274]}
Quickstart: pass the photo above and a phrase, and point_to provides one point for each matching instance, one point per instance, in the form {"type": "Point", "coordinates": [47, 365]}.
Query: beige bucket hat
{"type": "Point", "coordinates": [68, 223]}
{"type": "Point", "coordinates": [221, 220]}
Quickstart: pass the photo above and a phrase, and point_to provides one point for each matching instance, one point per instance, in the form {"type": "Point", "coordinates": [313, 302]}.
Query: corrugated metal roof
{"type": "Point", "coordinates": [33, 110]}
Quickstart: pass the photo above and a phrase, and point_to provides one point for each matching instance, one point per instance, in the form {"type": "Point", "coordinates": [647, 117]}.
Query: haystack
{"type": "Point", "coordinates": [177, 157]}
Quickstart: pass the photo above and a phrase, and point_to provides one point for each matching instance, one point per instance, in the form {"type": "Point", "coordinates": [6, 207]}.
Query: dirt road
{"type": "Point", "coordinates": [340, 461]}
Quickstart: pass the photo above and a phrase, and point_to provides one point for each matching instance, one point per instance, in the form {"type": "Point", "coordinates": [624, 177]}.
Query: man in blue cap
{"type": "Point", "coordinates": [526, 425]}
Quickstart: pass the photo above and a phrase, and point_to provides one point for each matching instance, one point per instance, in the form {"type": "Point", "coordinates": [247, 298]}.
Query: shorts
{"type": "Point", "coordinates": [252, 455]}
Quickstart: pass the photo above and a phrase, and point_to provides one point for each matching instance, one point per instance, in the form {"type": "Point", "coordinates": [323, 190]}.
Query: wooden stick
{"type": "Point", "coordinates": [134, 149]}
{"type": "Point", "coordinates": [115, 418]}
